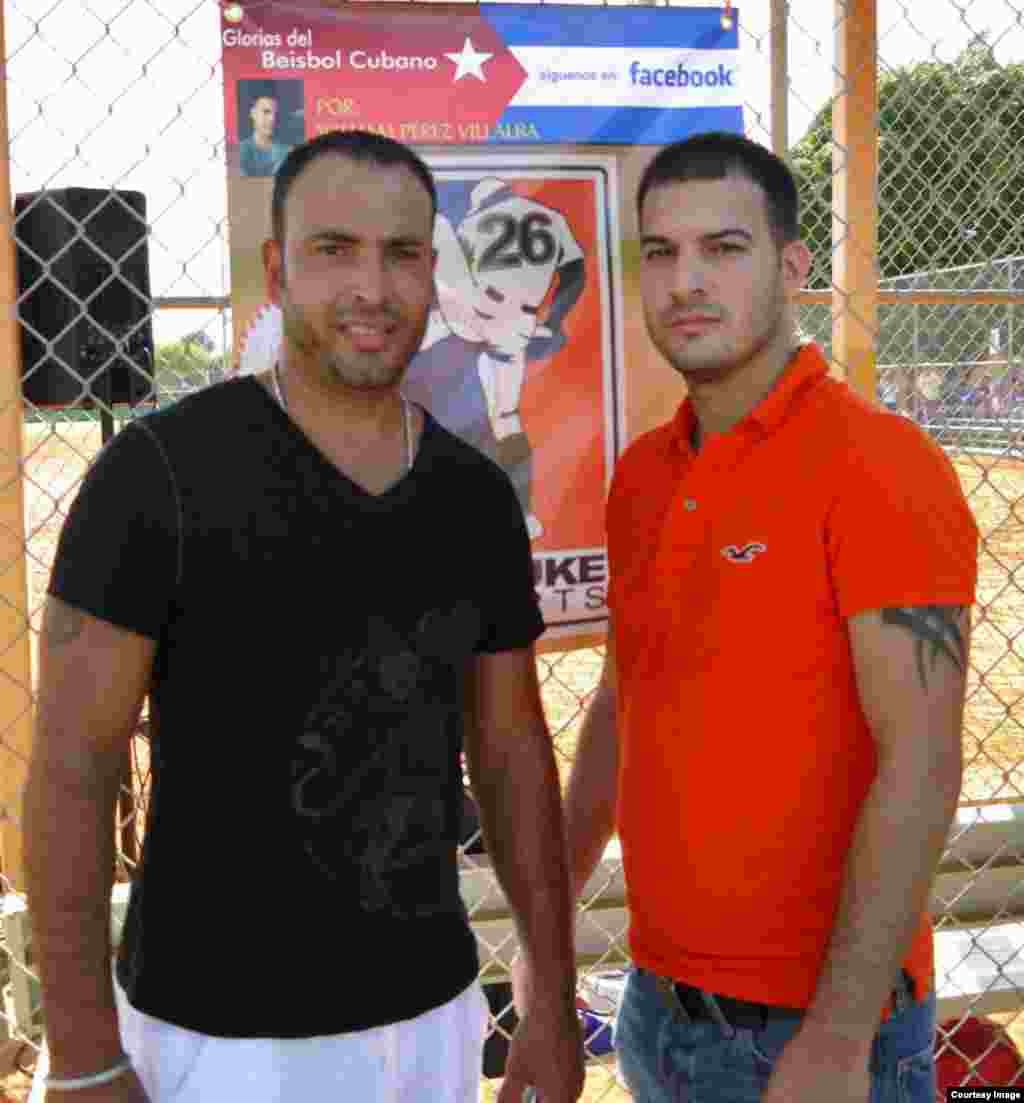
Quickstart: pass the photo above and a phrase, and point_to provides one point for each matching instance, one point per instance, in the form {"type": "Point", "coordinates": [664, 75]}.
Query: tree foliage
{"type": "Point", "coordinates": [950, 196]}
{"type": "Point", "coordinates": [186, 365]}
{"type": "Point", "coordinates": [950, 166]}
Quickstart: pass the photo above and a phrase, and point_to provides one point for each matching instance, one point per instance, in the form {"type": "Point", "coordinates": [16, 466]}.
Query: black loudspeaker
{"type": "Point", "coordinates": [83, 297]}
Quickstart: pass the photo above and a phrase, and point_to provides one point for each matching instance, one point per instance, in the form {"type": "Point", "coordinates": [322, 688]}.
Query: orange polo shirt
{"type": "Point", "coordinates": [745, 755]}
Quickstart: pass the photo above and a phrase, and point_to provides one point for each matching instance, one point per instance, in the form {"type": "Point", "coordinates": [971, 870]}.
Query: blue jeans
{"type": "Point", "coordinates": [666, 1060]}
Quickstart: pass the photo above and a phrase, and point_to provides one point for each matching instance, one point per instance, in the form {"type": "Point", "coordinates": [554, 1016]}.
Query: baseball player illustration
{"type": "Point", "coordinates": [497, 265]}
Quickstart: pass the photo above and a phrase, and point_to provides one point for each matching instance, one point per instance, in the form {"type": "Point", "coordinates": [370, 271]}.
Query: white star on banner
{"type": "Point", "coordinates": [469, 63]}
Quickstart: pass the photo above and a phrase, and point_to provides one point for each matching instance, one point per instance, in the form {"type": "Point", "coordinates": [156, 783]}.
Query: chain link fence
{"type": "Point", "coordinates": [127, 95]}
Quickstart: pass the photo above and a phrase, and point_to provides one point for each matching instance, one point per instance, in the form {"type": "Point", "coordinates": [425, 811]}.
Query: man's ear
{"type": "Point", "coordinates": [273, 270]}
{"type": "Point", "coordinates": [796, 265]}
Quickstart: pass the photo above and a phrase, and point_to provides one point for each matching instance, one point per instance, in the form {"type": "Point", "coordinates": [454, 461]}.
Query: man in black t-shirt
{"type": "Point", "coordinates": [326, 597]}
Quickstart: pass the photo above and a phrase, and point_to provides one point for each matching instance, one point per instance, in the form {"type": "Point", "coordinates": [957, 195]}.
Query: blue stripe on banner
{"type": "Point", "coordinates": [612, 125]}
{"type": "Point", "coordinates": [623, 28]}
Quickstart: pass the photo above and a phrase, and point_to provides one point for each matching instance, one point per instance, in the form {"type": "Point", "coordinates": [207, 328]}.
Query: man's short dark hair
{"type": "Point", "coordinates": [357, 145]}
{"type": "Point", "coordinates": [262, 90]}
{"type": "Point", "coordinates": [256, 90]}
{"type": "Point", "coordinates": [718, 154]}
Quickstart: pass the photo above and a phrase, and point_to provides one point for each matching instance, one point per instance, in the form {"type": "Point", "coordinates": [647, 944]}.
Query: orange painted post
{"type": "Point", "coordinates": [855, 195]}
{"type": "Point", "coordinates": [780, 77]}
{"type": "Point", "coordinates": [15, 655]}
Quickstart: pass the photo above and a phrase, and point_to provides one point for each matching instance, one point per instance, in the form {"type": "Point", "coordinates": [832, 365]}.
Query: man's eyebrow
{"type": "Point", "coordinates": [343, 238]}
{"type": "Point", "coordinates": [717, 235]}
{"type": "Point", "coordinates": [732, 231]}
{"type": "Point", "coordinates": [409, 239]}
{"type": "Point", "coordinates": [332, 235]}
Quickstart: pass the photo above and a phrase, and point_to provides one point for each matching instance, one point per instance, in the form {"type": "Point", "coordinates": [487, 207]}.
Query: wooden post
{"type": "Point", "coordinates": [780, 77]}
{"type": "Point", "coordinates": [15, 656]}
{"type": "Point", "coordinates": [855, 195]}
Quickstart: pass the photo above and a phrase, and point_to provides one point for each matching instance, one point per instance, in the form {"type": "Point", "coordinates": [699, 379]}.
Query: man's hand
{"type": "Point", "coordinates": [125, 1089]}
{"type": "Point", "coordinates": [817, 1065]}
{"type": "Point", "coordinates": [548, 1048]}
{"type": "Point", "coordinates": [546, 1053]}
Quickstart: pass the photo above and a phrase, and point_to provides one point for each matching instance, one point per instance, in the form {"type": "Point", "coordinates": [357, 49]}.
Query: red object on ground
{"type": "Point", "coordinates": [976, 1053]}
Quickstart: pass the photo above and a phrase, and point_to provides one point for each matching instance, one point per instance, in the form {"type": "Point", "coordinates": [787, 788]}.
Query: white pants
{"type": "Point", "coordinates": [434, 1058]}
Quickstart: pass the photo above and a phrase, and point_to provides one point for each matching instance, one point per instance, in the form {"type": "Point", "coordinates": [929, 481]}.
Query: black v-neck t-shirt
{"type": "Point", "coordinates": [299, 873]}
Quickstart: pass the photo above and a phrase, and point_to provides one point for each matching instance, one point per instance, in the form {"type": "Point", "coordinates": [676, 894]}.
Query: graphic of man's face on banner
{"type": "Point", "coordinates": [520, 358]}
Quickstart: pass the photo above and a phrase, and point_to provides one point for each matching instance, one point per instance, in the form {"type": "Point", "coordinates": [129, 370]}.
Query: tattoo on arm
{"type": "Point", "coordinates": [933, 626]}
{"type": "Point", "coordinates": [62, 623]}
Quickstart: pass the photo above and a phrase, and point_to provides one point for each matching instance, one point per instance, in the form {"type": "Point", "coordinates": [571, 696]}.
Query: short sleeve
{"type": "Point", "coordinates": [511, 610]}
{"type": "Point", "coordinates": [118, 553]}
{"type": "Point", "coordinates": [901, 532]}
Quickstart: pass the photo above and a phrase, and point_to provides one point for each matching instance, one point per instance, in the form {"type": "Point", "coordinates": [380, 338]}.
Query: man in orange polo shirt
{"type": "Point", "coordinates": [777, 733]}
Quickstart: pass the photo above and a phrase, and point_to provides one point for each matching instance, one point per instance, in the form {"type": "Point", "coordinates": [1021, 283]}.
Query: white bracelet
{"type": "Point", "coordinates": [78, 1083]}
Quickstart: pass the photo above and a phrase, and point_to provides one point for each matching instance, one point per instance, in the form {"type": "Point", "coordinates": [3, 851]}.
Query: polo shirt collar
{"type": "Point", "coordinates": [807, 366]}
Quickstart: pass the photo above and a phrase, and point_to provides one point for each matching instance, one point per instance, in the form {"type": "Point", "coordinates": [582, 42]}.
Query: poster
{"type": "Point", "coordinates": [524, 351]}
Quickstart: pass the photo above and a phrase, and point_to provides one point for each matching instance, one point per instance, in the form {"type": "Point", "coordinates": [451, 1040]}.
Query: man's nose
{"type": "Point", "coordinates": [690, 276]}
{"type": "Point", "coordinates": [370, 279]}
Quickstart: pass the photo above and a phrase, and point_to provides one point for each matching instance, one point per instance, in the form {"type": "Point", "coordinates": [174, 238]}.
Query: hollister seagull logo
{"type": "Point", "coordinates": [743, 553]}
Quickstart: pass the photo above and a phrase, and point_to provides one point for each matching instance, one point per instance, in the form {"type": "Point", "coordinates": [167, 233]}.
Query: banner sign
{"type": "Point", "coordinates": [492, 73]}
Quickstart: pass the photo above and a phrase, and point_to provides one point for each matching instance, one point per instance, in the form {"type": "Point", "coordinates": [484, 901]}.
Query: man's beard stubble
{"type": "Point", "coordinates": [695, 372]}
{"type": "Point", "coordinates": [333, 369]}
{"type": "Point", "coordinates": [725, 366]}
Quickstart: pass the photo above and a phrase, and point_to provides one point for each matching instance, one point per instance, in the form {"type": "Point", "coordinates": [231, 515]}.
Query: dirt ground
{"type": "Point", "coordinates": [994, 726]}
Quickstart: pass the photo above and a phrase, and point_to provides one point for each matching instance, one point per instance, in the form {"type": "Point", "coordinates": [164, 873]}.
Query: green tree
{"type": "Point", "coordinates": [185, 365]}
{"type": "Point", "coordinates": [950, 196]}
{"type": "Point", "coordinates": [201, 338]}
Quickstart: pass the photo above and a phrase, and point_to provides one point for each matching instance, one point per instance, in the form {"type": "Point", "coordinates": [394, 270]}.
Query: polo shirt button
{"type": "Point", "coordinates": [690, 504]}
